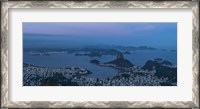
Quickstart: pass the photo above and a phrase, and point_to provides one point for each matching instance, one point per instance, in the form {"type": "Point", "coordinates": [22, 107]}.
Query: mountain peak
{"type": "Point", "coordinates": [120, 55]}
{"type": "Point", "coordinates": [120, 61]}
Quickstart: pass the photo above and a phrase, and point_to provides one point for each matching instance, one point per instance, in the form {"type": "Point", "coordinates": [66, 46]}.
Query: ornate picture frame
{"type": "Point", "coordinates": [6, 103]}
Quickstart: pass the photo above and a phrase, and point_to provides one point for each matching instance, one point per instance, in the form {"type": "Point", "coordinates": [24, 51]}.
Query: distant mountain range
{"type": "Point", "coordinates": [117, 47]}
{"type": "Point", "coordinates": [91, 51]}
{"type": "Point", "coordinates": [124, 48]}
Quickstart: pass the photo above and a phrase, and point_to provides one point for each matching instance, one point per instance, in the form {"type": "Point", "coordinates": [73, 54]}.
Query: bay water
{"type": "Point", "coordinates": [58, 60]}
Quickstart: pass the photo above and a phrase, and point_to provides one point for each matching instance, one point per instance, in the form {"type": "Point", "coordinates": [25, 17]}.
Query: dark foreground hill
{"type": "Point", "coordinates": [163, 69]}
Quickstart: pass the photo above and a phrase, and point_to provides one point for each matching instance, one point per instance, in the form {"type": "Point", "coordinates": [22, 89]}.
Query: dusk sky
{"type": "Point", "coordinates": [76, 34]}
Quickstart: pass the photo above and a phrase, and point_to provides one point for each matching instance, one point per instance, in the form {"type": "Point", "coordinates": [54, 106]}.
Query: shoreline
{"type": "Point", "coordinates": [73, 78]}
